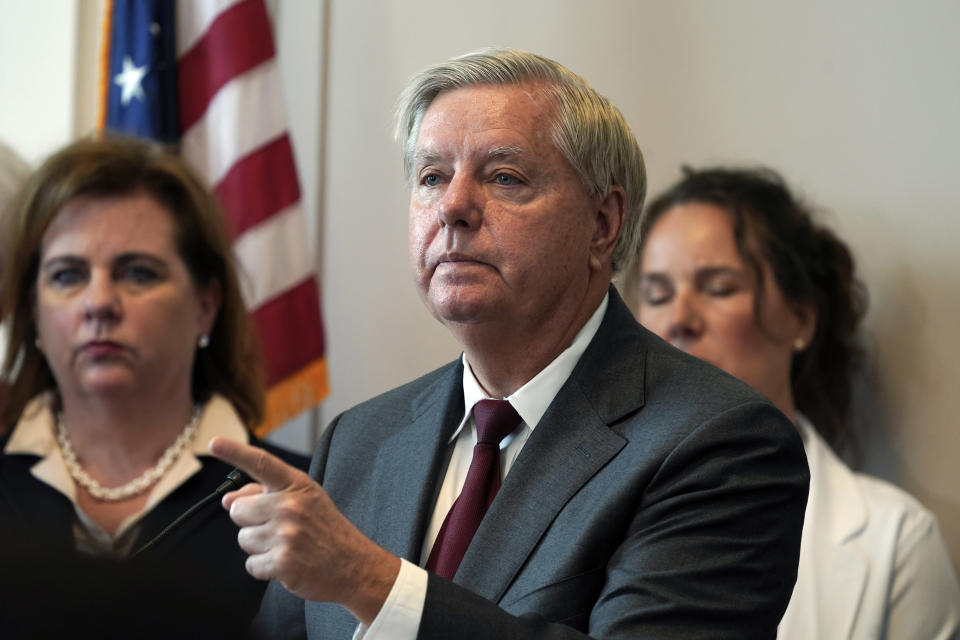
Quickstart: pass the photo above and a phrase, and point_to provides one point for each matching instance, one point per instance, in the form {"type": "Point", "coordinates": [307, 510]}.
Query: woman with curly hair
{"type": "Point", "coordinates": [734, 270]}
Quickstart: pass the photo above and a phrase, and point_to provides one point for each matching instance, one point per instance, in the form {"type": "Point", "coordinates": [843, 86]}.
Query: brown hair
{"type": "Point", "coordinates": [810, 264]}
{"type": "Point", "coordinates": [13, 172]}
{"type": "Point", "coordinates": [230, 365]}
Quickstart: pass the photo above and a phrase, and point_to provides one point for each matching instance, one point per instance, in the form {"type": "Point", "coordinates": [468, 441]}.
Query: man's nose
{"type": "Point", "coordinates": [461, 204]}
{"type": "Point", "coordinates": [686, 321]}
{"type": "Point", "coordinates": [101, 299]}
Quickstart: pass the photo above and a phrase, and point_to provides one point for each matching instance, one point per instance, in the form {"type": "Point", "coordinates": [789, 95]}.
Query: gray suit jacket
{"type": "Point", "coordinates": [657, 498]}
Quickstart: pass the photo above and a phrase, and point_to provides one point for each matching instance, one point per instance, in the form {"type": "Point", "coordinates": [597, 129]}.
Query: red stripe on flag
{"type": "Point", "coordinates": [260, 185]}
{"type": "Point", "coordinates": [238, 40]}
{"type": "Point", "coordinates": [255, 188]}
{"type": "Point", "coordinates": [292, 314]}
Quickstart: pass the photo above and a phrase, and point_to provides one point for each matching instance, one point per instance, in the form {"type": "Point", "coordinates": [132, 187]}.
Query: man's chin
{"type": "Point", "coordinates": [462, 310]}
{"type": "Point", "coordinates": [460, 316]}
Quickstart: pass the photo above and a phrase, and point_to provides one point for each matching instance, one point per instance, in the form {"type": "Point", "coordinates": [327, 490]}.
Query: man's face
{"type": "Point", "coordinates": [500, 223]}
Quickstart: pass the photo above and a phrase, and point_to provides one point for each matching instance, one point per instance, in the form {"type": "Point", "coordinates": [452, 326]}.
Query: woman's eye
{"type": "Point", "coordinates": [720, 288]}
{"type": "Point", "coordinates": [66, 277]}
{"type": "Point", "coordinates": [654, 295]}
{"type": "Point", "coordinates": [505, 179]}
{"type": "Point", "coordinates": [139, 274]}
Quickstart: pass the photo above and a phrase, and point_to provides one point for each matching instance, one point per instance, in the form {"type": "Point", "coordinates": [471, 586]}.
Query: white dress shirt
{"type": "Point", "coordinates": [399, 618]}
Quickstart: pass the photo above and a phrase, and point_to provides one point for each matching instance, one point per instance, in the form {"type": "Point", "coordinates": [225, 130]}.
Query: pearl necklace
{"type": "Point", "coordinates": [138, 484]}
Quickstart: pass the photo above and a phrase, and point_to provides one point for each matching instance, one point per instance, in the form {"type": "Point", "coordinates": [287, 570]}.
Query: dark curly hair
{"type": "Point", "coordinates": [810, 265]}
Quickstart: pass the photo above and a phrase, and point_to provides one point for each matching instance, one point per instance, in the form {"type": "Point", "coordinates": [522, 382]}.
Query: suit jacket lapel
{"type": "Point", "coordinates": [572, 442]}
{"type": "Point", "coordinates": [409, 468]}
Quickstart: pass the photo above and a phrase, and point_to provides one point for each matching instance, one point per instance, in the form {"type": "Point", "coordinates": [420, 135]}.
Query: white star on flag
{"type": "Point", "coordinates": [129, 80]}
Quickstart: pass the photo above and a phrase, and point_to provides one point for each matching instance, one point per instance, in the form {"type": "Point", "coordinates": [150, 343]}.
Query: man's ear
{"type": "Point", "coordinates": [611, 212]}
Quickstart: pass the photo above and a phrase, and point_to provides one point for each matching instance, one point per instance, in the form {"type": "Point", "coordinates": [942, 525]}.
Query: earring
{"type": "Point", "coordinates": [36, 343]}
{"type": "Point", "coordinates": [799, 344]}
{"type": "Point", "coordinates": [204, 341]}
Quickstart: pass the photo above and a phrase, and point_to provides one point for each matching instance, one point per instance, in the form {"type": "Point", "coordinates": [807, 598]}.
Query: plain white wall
{"type": "Point", "coordinates": [855, 101]}
{"type": "Point", "coordinates": [38, 44]}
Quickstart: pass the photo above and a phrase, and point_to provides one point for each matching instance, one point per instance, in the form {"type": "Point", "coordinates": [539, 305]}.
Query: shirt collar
{"type": "Point", "coordinates": [35, 434]}
{"type": "Point", "coordinates": [533, 398]}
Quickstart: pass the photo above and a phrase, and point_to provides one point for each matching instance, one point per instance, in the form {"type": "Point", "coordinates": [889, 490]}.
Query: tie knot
{"type": "Point", "coordinates": [495, 420]}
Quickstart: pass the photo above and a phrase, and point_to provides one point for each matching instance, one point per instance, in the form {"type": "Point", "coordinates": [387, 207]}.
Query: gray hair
{"type": "Point", "coordinates": [588, 130]}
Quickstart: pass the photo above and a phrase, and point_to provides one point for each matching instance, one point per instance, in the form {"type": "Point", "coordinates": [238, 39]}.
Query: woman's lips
{"type": "Point", "coordinates": [101, 349]}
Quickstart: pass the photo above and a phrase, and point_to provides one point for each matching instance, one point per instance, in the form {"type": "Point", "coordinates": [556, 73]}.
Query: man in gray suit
{"type": "Point", "coordinates": [644, 494]}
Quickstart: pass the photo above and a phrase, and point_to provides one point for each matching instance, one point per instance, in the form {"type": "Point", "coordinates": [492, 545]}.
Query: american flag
{"type": "Point", "coordinates": [203, 73]}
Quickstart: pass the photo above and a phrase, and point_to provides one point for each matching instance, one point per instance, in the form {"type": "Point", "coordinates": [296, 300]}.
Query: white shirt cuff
{"type": "Point", "coordinates": [399, 617]}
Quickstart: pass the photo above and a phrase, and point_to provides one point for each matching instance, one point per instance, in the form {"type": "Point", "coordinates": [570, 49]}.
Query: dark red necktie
{"type": "Point", "coordinates": [495, 420]}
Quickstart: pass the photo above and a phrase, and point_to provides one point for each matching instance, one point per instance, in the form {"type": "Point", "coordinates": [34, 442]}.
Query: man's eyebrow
{"type": "Point", "coordinates": [426, 157]}
{"type": "Point", "coordinates": [504, 151]}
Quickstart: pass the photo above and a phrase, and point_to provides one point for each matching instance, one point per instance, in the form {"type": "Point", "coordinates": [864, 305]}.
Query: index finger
{"type": "Point", "coordinates": [267, 469]}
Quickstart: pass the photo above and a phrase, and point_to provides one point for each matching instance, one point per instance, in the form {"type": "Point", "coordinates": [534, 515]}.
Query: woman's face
{"type": "Point", "coordinates": [116, 308]}
{"type": "Point", "coordinates": [697, 293]}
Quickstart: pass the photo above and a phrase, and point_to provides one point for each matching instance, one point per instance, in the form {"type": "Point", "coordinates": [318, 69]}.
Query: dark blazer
{"type": "Point", "coordinates": [192, 584]}
{"type": "Point", "coordinates": [657, 498]}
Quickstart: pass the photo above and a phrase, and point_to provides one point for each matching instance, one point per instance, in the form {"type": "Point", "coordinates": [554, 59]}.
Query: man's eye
{"type": "Point", "coordinates": [506, 179]}
{"type": "Point", "coordinates": [431, 180]}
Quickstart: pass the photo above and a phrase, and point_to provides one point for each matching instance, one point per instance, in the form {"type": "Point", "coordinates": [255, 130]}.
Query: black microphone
{"type": "Point", "coordinates": [235, 480]}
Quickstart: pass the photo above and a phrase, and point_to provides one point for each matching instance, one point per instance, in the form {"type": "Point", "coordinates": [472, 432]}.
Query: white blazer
{"type": "Point", "coordinates": [872, 561]}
